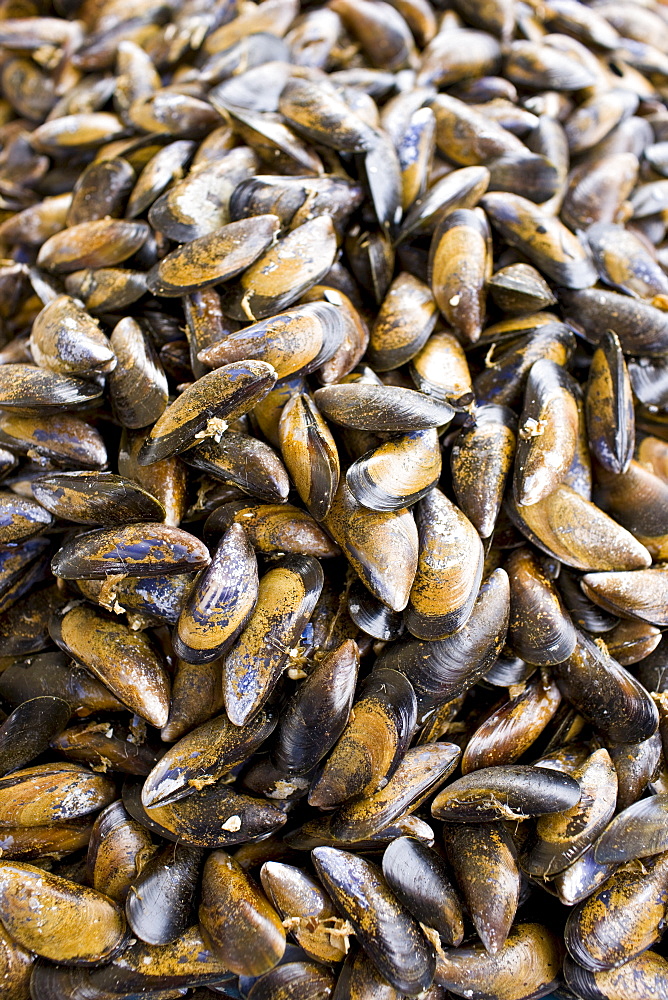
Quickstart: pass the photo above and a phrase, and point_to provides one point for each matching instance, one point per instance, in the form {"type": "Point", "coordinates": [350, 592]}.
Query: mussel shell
{"type": "Point", "coordinates": [510, 791]}
{"type": "Point", "coordinates": [397, 473]}
{"type": "Point", "coordinates": [386, 408]}
{"type": "Point", "coordinates": [405, 320]}
{"type": "Point", "coordinates": [125, 661]}
{"type": "Point", "coordinates": [388, 934]}
{"type": "Point", "coordinates": [606, 694]}
{"type": "Point", "coordinates": [69, 923]}
{"type": "Point", "coordinates": [215, 816]}
{"type": "Point", "coordinates": [286, 598]}
{"type": "Point", "coordinates": [481, 460]}
{"type": "Point", "coordinates": [381, 546]}
{"type": "Point", "coordinates": [96, 498]}
{"type": "Point", "coordinates": [439, 670]}
{"type": "Point", "coordinates": [295, 894]}
{"type": "Point", "coordinates": [220, 602]}
{"type": "Point", "coordinates": [244, 929]}
{"type": "Point", "coordinates": [638, 978]}
{"type": "Point", "coordinates": [160, 899]}
{"type": "Point", "coordinates": [418, 877]}
{"type": "Point", "coordinates": [641, 594]}
{"type": "Point", "coordinates": [481, 854]}
{"type": "Point", "coordinates": [315, 717]}
{"type": "Point", "coordinates": [540, 629]}
{"type": "Point", "coordinates": [138, 384]}
{"type": "Point", "coordinates": [136, 550]}
{"type": "Point", "coordinates": [223, 394]}
{"type": "Point", "coordinates": [28, 730]}
{"type": "Point", "coordinates": [202, 757]}
{"type": "Point", "coordinates": [298, 980]}
{"type": "Point", "coordinates": [576, 532]}
{"type": "Point", "coordinates": [450, 566]}
{"type": "Point", "coordinates": [210, 259]}
{"type": "Point", "coordinates": [622, 918]}
{"type": "Point", "coordinates": [512, 727]}
{"type": "Point", "coordinates": [530, 960]}
{"type": "Point", "coordinates": [562, 838]}
{"type": "Point", "coordinates": [548, 244]}
{"type": "Point", "coordinates": [372, 744]}
{"type": "Point", "coordinates": [639, 831]}
{"type": "Point", "coordinates": [421, 771]}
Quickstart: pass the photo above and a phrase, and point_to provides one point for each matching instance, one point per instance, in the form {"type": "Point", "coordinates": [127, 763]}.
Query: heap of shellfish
{"type": "Point", "coordinates": [334, 501]}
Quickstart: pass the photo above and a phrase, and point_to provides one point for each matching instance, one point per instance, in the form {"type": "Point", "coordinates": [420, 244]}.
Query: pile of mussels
{"type": "Point", "coordinates": [334, 448]}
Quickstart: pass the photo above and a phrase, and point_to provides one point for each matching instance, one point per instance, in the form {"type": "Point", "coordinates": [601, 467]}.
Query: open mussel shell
{"type": "Point", "coordinates": [96, 498]}
{"type": "Point", "coordinates": [561, 838]}
{"type": "Point", "coordinates": [510, 791]}
{"type": "Point", "coordinates": [372, 744]}
{"type": "Point", "coordinates": [421, 771]}
{"type": "Point", "coordinates": [286, 598]}
{"type": "Point", "coordinates": [220, 602]}
{"type": "Point", "coordinates": [481, 854]}
{"type": "Point", "coordinates": [385, 408]}
{"type": "Point", "coordinates": [137, 550]}
{"type": "Point", "coordinates": [531, 956]}
{"type": "Point", "coordinates": [186, 764]}
{"type": "Point", "coordinates": [315, 717]}
{"type": "Point", "coordinates": [387, 932]}
{"type": "Point", "coordinates": [450, 566]}
{"type": "Point", "coordinates": [606, 694]}
{"type": "Point", "coordinates": [638, 832]}
{"type": "Point", "coordinates": [417, 876]}
{"type": "Point", "coordinates": [397, 473]}
{"type": "Point", "coordinates": [622, 918]}
{"type": "Point", "coordinates": [221, 395]}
